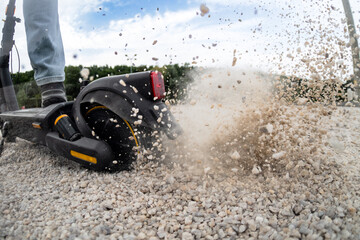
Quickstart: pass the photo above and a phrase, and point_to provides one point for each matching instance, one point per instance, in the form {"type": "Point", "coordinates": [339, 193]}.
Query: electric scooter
{"type": "Point", "coordinates": [103, 129]}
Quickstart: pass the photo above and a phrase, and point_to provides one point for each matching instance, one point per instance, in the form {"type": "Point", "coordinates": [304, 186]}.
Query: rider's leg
{"type": "Point", "coordinates": [45, 48]}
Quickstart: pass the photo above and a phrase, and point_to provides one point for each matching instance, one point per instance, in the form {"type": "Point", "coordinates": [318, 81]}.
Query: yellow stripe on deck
{"type": "Point", "coordinates": [83, 157]}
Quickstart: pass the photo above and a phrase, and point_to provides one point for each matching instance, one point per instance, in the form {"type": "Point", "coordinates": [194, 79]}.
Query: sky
{"type": "Point", "coordinates": [269, 35]}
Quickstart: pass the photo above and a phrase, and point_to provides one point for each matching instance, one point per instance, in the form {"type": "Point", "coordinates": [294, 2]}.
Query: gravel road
{"type": "Point", "coordinates": [272, 173]}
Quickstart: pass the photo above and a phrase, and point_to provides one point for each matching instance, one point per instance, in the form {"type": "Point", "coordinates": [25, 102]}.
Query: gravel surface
{"type": "Point", "coordinates": [274, 173]}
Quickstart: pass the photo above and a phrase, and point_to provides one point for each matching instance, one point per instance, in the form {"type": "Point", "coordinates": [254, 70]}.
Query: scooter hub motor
{"type": "Point", "coordinates": [116, 132]}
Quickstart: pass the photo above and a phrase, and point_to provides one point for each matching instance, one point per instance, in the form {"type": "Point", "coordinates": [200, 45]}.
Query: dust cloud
{"type": "Point", "coordinates": [234, 119]}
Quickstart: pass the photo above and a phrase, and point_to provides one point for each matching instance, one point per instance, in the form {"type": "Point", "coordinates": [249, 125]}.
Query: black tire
{"type": "Point", "coordinates": [118, 133]}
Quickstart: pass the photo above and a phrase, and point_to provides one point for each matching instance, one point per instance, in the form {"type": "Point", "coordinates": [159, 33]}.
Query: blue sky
{"type": "Point", "coordinates": [121, 10]}
{"type": "Point", "coordinates": [101, 15]}
{"type": "Point", "coordinates": [125, 9]}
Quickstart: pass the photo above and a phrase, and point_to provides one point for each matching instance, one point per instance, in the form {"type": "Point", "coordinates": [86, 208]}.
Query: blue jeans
{"type": "Point", "coordinates": [44, 42]}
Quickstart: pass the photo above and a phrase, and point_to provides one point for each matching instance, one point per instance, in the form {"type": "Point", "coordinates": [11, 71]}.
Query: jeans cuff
{"type": "Point", "coordinates": [51, 79]}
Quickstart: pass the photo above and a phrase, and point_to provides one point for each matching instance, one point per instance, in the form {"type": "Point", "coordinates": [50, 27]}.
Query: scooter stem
{"type": "Point", "coordinates": [8, 101]}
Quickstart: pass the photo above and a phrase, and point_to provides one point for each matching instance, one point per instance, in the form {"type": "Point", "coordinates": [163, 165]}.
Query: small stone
{"type": "Point", "coordinates": [252, 226]}
{"type": "Point", "coordinates": [152, 211]}
{"type": "Point", "coordinates": [170, 179]}
{"type": "Point", "coordinates": [192, 207]}
{"type": "Point", "coordinates": [235, 155]}
{"type": "Point", "coordinates": [341, 211]}
{"type": "Point", "coordinates": [320, 225]}
{"type": "Point", "coordinates": [287, 212]}
{"type": "Point", "coordinates": [270, 128]}
{"type": "Point", "coordinates": [352, 210]}
{"type": "Point", "coordinates": [336, 144]}
{"type": "Point", "coordinates": [297, 209]}
{"type": "Point", "coordinates": [295, 233]}
{"type": "Point", "coordinates": [259, 219]}
{"type": "Point", "coordinates": [103, 229]}
{"type": "Point", "coordinates": [278, 155]}
{"type": "Point", "coordinates": [304, 230]}
{"type": "Point", "coordinates": [302, 101]}
{"type": "Point", "coordinates": [345, 234]}
{"type": "Point", "coordinates": [320, 214]}
{"type": "Point", "coordinates": [196, 233]}
{"type": "Point", "coordinates": [161, 232]}
{"type": "Point", "coordinates": [122, 82]}
{"type": "Point", "coordinates": [192, 102]}
{"type": "Point", "coordinates": [6, 211]}
{"type": "Point", "coordinates": [256, 170]}
{"type": "Point", "coordinates": [221, 233]}
{"type": "Point", "coordinates": [188, 220]}
{"type": "Point", "coordinates": [264, 229]}
{"type": "Point", "coordinates": [230, 231]}
{"type": "Point", "coordinates": [242, 228]}
{"type": "Point", "coordinates": [335, 228]}
{"type": "Point", "coordinates": [211, 224]}
{"type": "Point", "coordinates": [330, 213]}
{"type": "Point", "coordinates": [107, 206]}
{"type": "Point", "coordinates": [204, 9]}
{"type": "Point", "coordinates": [222, 214]}
{"type": "Point", "coordinates": [141, 236]}
{"type": "Point", "coordinates": [274, 209]}
{"type": "Point", "coordinates": [187, 236]}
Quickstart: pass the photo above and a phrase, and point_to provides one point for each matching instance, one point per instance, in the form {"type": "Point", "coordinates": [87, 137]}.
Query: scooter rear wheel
{"type": "Point", "coordinates": [117, 132]}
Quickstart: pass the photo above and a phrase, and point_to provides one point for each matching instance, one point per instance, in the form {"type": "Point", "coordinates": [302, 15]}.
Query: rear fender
{"type": "Point", "coordinates": [125, 101]}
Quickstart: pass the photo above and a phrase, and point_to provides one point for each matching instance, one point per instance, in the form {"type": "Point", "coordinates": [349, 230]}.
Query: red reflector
{"type": "Point", "coordinates": [157, 83]}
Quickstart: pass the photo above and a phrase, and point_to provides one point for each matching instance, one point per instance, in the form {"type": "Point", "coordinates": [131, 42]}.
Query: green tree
{"type": "Point", "coordinates": [177, 79]}
{"type": "Point", "coordinates": [72, 83]}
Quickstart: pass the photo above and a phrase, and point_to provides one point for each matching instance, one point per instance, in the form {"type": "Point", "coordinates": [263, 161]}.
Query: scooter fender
{"type": "Point", "coordinates": [129, 97]}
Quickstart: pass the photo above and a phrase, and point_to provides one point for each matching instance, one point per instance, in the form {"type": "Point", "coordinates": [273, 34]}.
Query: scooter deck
{"type": "Point", "coordinates": [33, 113]}
{"type": "Point", "coordinates": [36, 125]}
{"type": "Point", "coordinates": [32, 124]}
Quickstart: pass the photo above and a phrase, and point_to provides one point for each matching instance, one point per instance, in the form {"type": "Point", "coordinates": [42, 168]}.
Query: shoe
{"type": "Point", "coordinates": [52, 93]}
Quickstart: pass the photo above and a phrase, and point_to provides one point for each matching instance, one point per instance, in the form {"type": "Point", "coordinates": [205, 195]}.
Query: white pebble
{"type": "Point", "coordinates": [122, 82]}
{"type": "Point", "coordinates": [235, 155]}
{"type": "Point", "coordinates": [256, 170]}
{"type": "Point", "coordinates": [188, 220]}
{"type": "Point", "coordinates": [187, 236]}
{"type": "Point", "coordinates": [269, 128]}
{"type": "Point", "coordinates": [278, 155]}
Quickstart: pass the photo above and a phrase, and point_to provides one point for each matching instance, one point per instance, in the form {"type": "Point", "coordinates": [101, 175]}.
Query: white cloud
{"type": "Point", "coordinates": [71, 10]}
{"type": "Point", "coordinates": [182, 36]}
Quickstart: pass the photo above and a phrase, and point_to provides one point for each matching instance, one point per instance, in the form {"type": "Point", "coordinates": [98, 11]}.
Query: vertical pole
{"type": "Point", "coordinates": [354, 45]}
{"type": "Point", "coordinates": [8, 96]}
{"type": "Point", "coordinates": [131, 65]}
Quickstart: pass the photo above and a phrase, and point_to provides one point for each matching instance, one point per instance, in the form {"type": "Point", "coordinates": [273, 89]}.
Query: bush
{"type": "Point", "coordinates": [176, 81]}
